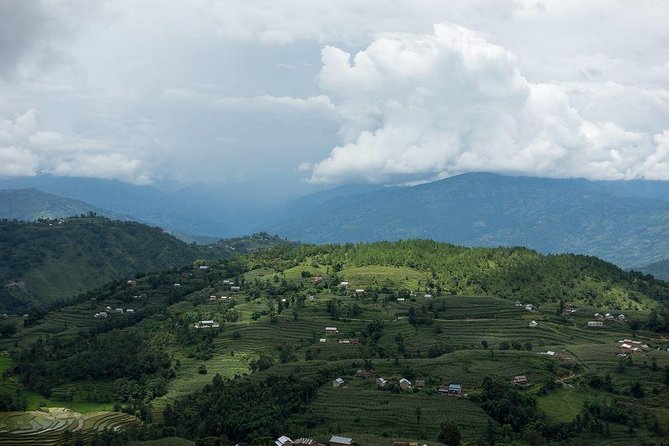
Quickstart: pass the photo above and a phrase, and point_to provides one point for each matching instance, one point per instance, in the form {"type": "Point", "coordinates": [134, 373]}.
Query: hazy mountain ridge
{"type": "Point", "coordinates": [33, 204]}
{"type": "Point", "coordinates": [550, 215]}
{"type": "Point", "coordinates": [659, 269]}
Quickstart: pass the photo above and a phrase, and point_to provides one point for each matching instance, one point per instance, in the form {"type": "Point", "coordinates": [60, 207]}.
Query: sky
{"type": "Point", "coordinates": [285, 97]}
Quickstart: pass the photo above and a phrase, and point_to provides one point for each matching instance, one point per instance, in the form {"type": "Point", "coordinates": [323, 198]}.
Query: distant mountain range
{"type": "Point", "coordinates": [623, 222]}
{"type": "Point", "coordinates": [193, 211]}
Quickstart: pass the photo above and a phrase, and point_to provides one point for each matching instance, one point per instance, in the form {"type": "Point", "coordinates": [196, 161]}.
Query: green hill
{"type": "Point", "coordinates": [416, 309]}
{"type": "Point", "coordinates": [54, 259]}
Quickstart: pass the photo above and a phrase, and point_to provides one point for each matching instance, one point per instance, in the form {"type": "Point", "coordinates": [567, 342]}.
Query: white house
{"type": "Point", "coordinates": [130, 311]}
{"type": "Point", "coordinates": [533, 323]}
{"type": "Point", "coordinates": [331, 330]}
{"type": "Point", "coordinates": [405, 384]}
{"type": "Point", "coordinates": [338, 382]}
{"type": "Point", "coordinates": [380, 382]}
{"type": "Point", "coordinates": [284, 441]}
{"type": "Point", "coordinates": [529, 307]}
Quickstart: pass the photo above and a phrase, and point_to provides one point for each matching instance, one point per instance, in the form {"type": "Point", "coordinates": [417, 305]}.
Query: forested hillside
{"type": "Point", "coordinates": [55, 259]}
{"type": "Point", "coordinates": [237, 350]}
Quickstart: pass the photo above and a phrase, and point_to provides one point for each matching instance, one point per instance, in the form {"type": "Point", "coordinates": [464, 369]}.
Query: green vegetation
{"type": "Point", "coordinates": [51, 260]}
{"type": "Point", "coordinates": [418, 310]}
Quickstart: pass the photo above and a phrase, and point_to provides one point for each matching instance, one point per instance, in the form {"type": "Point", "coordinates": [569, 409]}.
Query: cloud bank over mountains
{"type": "Point", "coordinates": [435, 105]}
{"type": "Point", "coordinates": [290, 94]}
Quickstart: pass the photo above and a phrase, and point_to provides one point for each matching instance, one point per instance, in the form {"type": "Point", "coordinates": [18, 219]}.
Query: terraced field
{"type": "Point", "coordinates": [58, 425]}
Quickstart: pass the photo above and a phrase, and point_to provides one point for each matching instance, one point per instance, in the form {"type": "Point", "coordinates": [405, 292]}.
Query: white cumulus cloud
{"type": "Point", "coordinates": [418, 106]}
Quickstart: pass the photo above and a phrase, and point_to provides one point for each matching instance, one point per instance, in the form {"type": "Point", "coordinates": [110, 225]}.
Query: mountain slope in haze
{"type": "Point", "coordinates": [48, 260]}
{"type": "Point", "coordinates": [32, 204]}
{"type": "Point", "coordinates": [659, 269]}
{"type": "Point", "coordinates": [550, 215]}
{"type": "Point", "coordinates": [184, 212]}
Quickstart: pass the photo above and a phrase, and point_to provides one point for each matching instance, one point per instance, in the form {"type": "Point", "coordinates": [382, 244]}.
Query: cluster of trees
{"type": "Point", "coordinates": [119, 354]}
{"type": "Point", "coordinates": [516, 273]}
{"type": "Point", "coordinates": [241, 409]}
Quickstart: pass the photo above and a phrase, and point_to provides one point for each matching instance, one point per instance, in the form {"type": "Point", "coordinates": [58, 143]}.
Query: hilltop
{"type": "Point", "coordinates": [623, 222]}
{"type": "Point", "coordinates": [433, 313]}
{"type": "Point", "coordinates": [32, 204]}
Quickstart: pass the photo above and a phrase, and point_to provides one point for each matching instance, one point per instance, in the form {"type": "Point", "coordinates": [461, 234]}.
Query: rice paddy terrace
{"type": "Point", "coordinates": [57, 426]}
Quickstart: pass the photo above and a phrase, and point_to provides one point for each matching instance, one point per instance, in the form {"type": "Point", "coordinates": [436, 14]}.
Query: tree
{"type": "Point", "coordinates": [450, 434]}
{"type": "Point", "coordinates": [418, 415]}
{"type": "Point", "coordinates": [484, 344]}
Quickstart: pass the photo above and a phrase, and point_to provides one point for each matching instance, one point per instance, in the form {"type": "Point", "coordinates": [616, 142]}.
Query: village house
{"type": "Point", "coordinates": [420, 384]}
{"type": "Point", "coordinates": [131, 282]}
{"type": "Point", "coordinates": [227, 282]}
{"type": "Point", "coordinates": [203, 267]}
{"type": "Point", "coordinates": [340, 441]}
{"type": "Point", "coordinates": [284, 441]}
{"type": "Point", "coordinates": [568, 309]}
{"type": "Point", "coordinates": [428, 296]}
{"type": "Point", "coordinates": [405, 384]}
{"type": "Point", "coordinates": [344, 284]}
{"type": "Point", "coordinates": [400, 299]}
{"type": "Point", "coordinates": [359, 291]}
{"type": "Point", "coordinates": [609, 317]}
{"type": "Point", "coordinates": [363, 374]}
{"type": "Point", "coordinates": [621, 317]}
{"type": "Point", "coordinates": [235, 289]}
{"type": "Point", "coordinates": [520, 380]}
{"type": "Point", "coordinates": [518, 303]}
{"type": "Point", "coordinates": [119, 310]}
{"type": "Point", "coordinates": [338, 382]}
{"type": "Point", "coordinates": [344, 341]}
{"type": "Point", "coordinates": [177, 285]}
{"type": "Point", "coordinates": [380, 382]}
{"type": "Point", "coordinates": [129, 311]}
{"type": "Point", "coordinates": [207, 324]}
{"type": "Point", "coordinates": [317, 279]}
{"type": "Point", "coordinates": [454, 389]}
{"type": "Point", "coordinates": [595, 324]}
{"type": "Point", "coordinates": [322, 340]}
{"type": "Point", "coordinates": [101, 315]}
{"type": "Point", "coordinates": [529, 307]}
{"type": "Point", "coordinates": [331, 330]}
{"type": "Point", "coordinates": [597, 316]}
{"type": "Point", "coordinates": [533, 323]}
